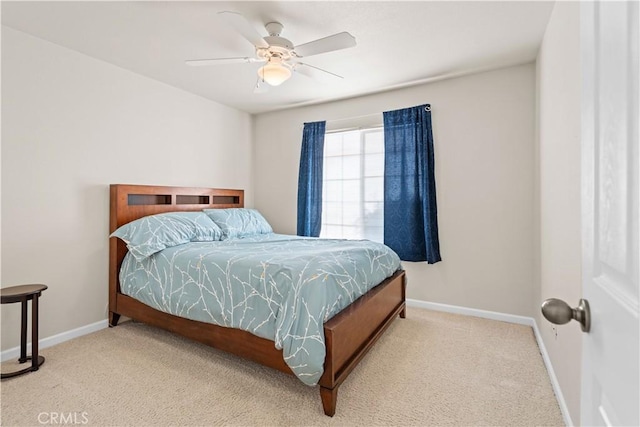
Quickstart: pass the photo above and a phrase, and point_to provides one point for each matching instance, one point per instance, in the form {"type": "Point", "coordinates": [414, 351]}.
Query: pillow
{"type": "Point", "coordinates": [150, 234]}
{"type": "Point", "coordinates": [239, 222]}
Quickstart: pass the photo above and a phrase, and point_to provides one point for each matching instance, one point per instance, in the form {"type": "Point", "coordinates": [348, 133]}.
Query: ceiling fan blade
{"type": "Point", "coordinates": [245, 29]}
{"type": "Point", "coordinates": [315, 72]}
{"type": "Point", "coordinates": [220, 61]}
{"type": "Point", "coordinates": [335, 42]}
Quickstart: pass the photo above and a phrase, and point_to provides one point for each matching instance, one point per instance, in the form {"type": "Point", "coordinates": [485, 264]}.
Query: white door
{"type": "Point", "coordinates": [610, 193]}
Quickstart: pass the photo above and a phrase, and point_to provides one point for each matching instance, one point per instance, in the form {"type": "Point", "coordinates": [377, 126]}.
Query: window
{"type": "Point", "coordinates": [353, 185]}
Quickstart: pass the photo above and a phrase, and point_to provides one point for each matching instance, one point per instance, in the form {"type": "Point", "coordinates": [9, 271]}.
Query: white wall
{"type": "Point", "coordinates": [558, 79]}
{"type": "Point", "coordinates": [484, 127]}
{"type": "Point", "coordinates": [72, 125]}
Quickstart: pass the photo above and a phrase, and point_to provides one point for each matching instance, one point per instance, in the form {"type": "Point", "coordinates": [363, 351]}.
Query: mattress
{"type": "Point", "coordinates": [279, 287]}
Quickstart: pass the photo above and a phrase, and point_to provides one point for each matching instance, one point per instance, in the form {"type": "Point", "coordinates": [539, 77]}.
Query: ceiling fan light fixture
{"type": "Point", "coordinates": [274, 73]}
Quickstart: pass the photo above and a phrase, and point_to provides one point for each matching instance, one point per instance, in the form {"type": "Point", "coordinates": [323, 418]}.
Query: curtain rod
{"type": "Point", "coordinates": [351, 118]}
{"type": "Point", "coordinates": [355, 117]}
{"type": "Point", "coordinates": [366, 115]}
{"type": "Point", "coordinates": [428, 108]}
{"type": "Point", "coordinates": [354, 128]}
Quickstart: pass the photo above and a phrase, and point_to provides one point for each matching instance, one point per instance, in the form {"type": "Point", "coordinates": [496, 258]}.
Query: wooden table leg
{"type": "Point", "coordinates": [34, 333]}
{"type": "Point", "coordinates": [23, 333]}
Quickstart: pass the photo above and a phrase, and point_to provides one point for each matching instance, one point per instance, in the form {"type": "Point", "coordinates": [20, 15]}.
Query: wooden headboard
{"type": "Point", "coordinates": [130, 202]}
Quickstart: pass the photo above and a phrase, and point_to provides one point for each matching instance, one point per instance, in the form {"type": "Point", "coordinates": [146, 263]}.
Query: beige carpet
{"type": "Point", "coordinates": [429, 369]}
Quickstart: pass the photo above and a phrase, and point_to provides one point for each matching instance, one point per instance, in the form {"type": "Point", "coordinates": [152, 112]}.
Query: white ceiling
{"type": "Point", "coordinates": [399, 43]}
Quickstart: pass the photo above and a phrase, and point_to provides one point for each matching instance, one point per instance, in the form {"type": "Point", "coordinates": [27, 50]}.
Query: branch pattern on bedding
{"type": "Point", "coordinates": [278, 287]}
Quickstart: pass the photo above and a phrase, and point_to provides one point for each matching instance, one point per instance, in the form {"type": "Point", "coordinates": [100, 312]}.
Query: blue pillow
{"type": "Point", "coordinates": [239, 222]}
{"type": "Point", "coordinates": [147, 235]}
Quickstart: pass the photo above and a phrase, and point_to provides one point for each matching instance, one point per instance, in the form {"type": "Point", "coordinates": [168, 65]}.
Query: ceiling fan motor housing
{"type": "Point", "coordinates": [276, 43]}
{"type": "Point", "coordinates": [279, 47]}
{"type": "Point", "coordinates": [279, 42]}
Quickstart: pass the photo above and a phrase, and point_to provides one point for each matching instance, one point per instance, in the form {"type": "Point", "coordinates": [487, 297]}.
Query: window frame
{"type": "Point", "coordinates": [362, 179]}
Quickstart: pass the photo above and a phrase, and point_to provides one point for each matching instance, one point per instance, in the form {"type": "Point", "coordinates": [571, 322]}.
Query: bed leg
{"type": "Point", "coordinates": [403, 313]}
{"type": "Point", "coordinates": [329, 397]}
{"type": "Point", "coordinates": [113, 319]}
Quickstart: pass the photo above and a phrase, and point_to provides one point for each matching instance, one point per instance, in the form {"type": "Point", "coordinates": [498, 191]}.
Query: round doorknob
{"type": "Point", "coordinates": [559, 312]}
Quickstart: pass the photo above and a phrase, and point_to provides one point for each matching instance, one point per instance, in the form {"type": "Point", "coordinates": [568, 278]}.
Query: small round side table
{"type": "Point", "coordinates": [22, 294]}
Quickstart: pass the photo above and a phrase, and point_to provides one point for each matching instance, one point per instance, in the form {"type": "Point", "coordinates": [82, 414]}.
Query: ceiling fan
{"type": "Point", "coordinates": [281, 55]}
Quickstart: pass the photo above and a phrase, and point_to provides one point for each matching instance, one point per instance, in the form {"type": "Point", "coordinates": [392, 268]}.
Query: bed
{"type": "Point", "coordinates": [348, 335]}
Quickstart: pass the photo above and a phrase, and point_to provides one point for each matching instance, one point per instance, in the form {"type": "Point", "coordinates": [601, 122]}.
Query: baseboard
{"type": "Point", "coordinates": [552, 376]}
{"type": "Point", "coordinates": [14, 353]}
{"type": "Point", "coordinates": [493, 315]}
{"type": "Point", "coordinates": [510, 318]}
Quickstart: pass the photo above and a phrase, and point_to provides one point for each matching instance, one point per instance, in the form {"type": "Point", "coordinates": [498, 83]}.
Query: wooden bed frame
{"type": "Point", "coordinates": [348, 336]}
